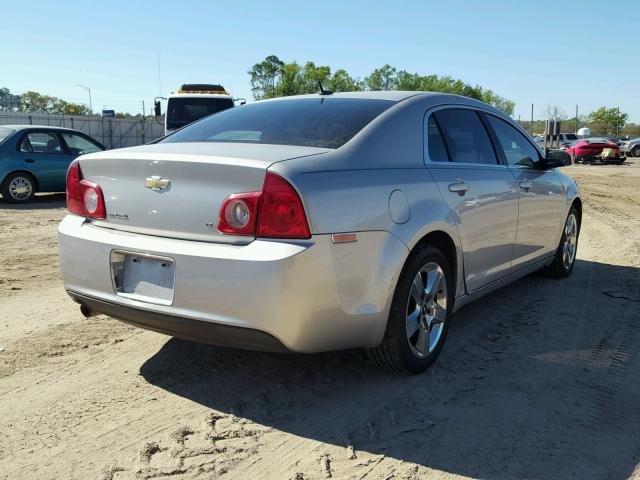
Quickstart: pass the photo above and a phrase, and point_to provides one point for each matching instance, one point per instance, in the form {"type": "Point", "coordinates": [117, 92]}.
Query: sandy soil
{"type": "Point", "coordinates": [538, 380]}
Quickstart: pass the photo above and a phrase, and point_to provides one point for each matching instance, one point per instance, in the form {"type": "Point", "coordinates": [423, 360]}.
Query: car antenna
{"type": "Point", "coordinates": [323, 91]}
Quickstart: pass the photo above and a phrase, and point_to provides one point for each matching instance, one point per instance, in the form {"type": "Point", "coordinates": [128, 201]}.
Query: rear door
{"type": "Point", "coordinates": [541, 195]}
{"type": "Point", "coordinates": [480, 191]}
{"type": "Point", "coordinates": [44, 153]}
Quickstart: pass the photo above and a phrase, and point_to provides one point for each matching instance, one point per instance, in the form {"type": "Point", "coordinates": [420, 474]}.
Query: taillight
{"type": "Point", "coordinates": [84, 198]}
{"type": "Point", "coordinates": [238, 213]}
{"type": "Point", "coordinates": [276, 212]}
{"type": "Point", "coordinates": [281, 212]}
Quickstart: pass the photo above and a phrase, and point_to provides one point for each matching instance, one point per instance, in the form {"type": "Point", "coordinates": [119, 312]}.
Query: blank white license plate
{"type": "Point", "coordinates": [144, 278]}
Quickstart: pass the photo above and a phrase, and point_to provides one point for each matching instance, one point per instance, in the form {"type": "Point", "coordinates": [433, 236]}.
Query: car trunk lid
{"type": "Point", "coordinates": [176, 189]}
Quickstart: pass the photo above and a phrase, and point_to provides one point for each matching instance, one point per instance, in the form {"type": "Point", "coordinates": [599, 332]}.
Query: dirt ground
{"type": "Point", "coordinates": [538, 380]}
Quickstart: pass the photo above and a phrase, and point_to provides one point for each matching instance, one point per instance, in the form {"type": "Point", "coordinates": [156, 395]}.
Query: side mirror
{"type": "Point", "coordinates": [156, 108]}
{"type": "Point", "coordinates": [555, 159]}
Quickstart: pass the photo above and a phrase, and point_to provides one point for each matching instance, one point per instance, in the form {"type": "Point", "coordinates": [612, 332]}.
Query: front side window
{"type": "Point", "coordinates": [79, 145]}
{"type": "Point", "coordinates": [465, 136]}
{"type": "Point", "coordinates": [307, 122]}
{"type": "Point", "coordinates": [40, 142]}
{"type": "Point", "coordinates": [517, 149]}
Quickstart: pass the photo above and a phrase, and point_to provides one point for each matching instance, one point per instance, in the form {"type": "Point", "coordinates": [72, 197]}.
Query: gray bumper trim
{"type": "Point", "coordinates": [186, 328]}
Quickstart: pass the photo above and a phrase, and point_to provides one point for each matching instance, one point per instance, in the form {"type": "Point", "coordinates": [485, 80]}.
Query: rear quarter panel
{"type": "Point", "coordinates": [349, 190]}
{"type": "Point", "coordinates": [11, 160]}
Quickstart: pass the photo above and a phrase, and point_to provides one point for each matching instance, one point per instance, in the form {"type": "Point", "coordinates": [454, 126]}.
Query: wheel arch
{"type": "Point", "coordinates": [30, 174]}
{"type": "Point", "coordinates": [577, 204]}
{"type": "Point", "coordinates": [443, 242]}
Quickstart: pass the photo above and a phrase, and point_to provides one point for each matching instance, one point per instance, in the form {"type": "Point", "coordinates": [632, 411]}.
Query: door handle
{"type": "Point", "coordinates": [459, 187]}
{"type": "Point", "coordinates": [525, 186]}
{"type": "Point", "coordinates": [29, 160]}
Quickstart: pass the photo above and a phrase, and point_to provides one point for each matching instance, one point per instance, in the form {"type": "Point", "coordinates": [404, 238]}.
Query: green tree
{"type": "Point", "coordinates": [607, 120]}
{"type": "Point", "coordinates": [290, 81]}
{"type": "Point", "coordinates": [272, 77]}
{"type": "Point", "coordinates": [384, 78]}
{"type": "Point", "coordinates": [341, 81]}
{"type": "Point", "coordinates": [61, 106]}
{"type": "Point", "coordinates": [264, 77]}
{"type": "Point", "coordinates": [501, 103]}
{"type": "Point", "coordinates": [312, 75]}
{"type": "Point", "coordinates": [34, 102]}
{"type": "Point", "coordinates": [5, 96]}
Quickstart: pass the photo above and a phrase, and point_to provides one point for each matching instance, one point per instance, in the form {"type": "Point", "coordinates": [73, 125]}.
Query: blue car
{"type": "Point", "coordinates": [36, 158]}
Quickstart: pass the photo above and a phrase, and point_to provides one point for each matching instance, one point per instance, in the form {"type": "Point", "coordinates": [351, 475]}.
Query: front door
{"type": "Point", "coordinates": [541, 196]}
{"type": "Point", "coordinates": [480, 192]}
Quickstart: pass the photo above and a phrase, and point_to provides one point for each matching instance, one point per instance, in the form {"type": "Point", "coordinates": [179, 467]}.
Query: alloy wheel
{"type": "Point", "coordinates": [426, 309]}
{"type": "Point", "coordinates": [570, 244]}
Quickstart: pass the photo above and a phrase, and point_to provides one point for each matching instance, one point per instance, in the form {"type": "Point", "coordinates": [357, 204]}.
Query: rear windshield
{"type": "Point", "coordinates": [4, 133]}
{"type": "Point", "coordinates": [182, 111]}
{"type": "Point", "coordinates": [309, 122]}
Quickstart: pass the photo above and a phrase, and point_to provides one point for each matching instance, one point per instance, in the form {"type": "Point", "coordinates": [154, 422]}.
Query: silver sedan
{"type": "Point", "coordinates": [318, 222]}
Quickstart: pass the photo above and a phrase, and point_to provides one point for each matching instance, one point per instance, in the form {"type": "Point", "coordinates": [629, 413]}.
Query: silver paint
{"type": "Point", "coordinates": [315, 295]}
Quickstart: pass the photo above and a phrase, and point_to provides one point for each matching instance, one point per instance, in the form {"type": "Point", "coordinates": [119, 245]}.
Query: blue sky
{"type": "Point", "coordinates": [542, 52]}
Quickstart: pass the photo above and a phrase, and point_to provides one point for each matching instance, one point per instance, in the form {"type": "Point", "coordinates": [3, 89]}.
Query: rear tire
{"type": "Point", "coordinates": [419, 318]}
{"type": "Point", "coordinates": [18, 187]}
{"type": "Point", "coordinates": [565, 257]}
{"type": "Point", "coordinates": [636, 151]}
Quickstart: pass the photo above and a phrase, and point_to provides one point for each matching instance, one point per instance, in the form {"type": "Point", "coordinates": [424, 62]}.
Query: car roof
{"type": "Point", "coordinates": [47, 127]}
{"type": "Point", "coordinates": [393, 95]}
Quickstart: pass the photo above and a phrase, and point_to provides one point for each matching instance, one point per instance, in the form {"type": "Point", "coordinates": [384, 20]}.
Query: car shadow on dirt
{"type": "Point", "coordinates": [537, 380]}
{"type": "Point", "coordinates": [39, 202]}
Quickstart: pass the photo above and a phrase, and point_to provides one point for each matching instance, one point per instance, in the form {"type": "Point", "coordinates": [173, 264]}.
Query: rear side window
{"type": "Point", "coordinates": [40, 142]}
{"type": "Point", "coordinates": [466, 137]}
{"type": "Point", "coordinates": [435, 143]}
{"type": "Point", "coordinates": [310, 122]}
{"type": "Point", "coordinates": [517, 149]}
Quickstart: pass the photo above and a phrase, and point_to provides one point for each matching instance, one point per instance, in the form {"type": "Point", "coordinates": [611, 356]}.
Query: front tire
{"type": "Point", "coordinates": [636, 151]}
{"type": "Point", "coordinates": [419, 318]}
{"type": "Point", "coordinates": [18, 188]}
{"type": "Point", "coordinates": [565, 257]}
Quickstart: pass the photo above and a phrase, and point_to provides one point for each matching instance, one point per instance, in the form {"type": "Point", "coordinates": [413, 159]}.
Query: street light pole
{"type": "Point", "coordinates": [88, 90]}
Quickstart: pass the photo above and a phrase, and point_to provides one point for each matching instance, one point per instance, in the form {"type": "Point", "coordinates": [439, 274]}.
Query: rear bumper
{"type": "Point", "coordinates": [304, 296]}
{"type": "Point", "coordinates": [188, 329]}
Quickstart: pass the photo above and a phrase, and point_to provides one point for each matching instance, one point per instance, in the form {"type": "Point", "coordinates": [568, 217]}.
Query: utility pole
{"type": "Point", "coordinates": [142, 133]}
{"type": "Point", "coordinates": [576, 118]}
{"type": "Point", "coordinates": [159, 77]}
{"type": "Point", "coordinates": [532, 119]}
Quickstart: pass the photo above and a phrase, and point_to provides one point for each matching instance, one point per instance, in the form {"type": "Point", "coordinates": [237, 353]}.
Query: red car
{"type": "Point", "coordinates": [595, 150]}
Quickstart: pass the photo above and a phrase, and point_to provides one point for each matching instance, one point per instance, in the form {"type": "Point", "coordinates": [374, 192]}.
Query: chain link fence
{"type": "Point", "coordinates": [111, 132]}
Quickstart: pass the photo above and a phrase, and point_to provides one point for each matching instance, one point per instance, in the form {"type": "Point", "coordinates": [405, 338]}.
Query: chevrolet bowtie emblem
{"type": "Point", "coordinates": [157, 183]}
